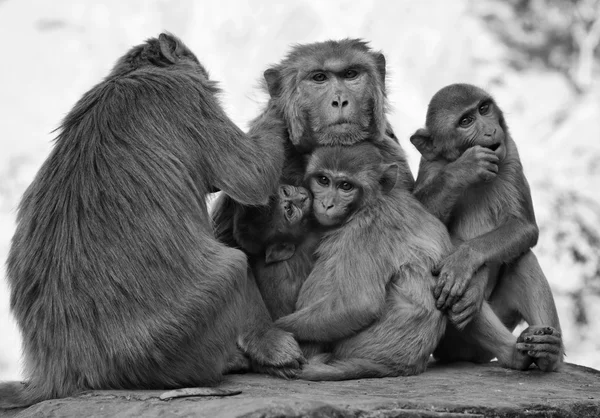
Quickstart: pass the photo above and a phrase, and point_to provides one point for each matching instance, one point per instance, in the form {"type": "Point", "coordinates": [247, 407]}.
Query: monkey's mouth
{"type": "Point", "coordinates": [494, 147]}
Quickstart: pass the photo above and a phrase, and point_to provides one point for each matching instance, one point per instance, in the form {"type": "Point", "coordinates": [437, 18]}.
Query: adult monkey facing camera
{"type": "Point", "coordinates": [116, 278]}
{"type": "Point", "coordinates": [333, 93]}
{"type": "Point", "coordinates": [323, 93]}
{"type": "Point", "coordinates": [373, 307]}
{"type": "Point", "coordinates": [472, 179]}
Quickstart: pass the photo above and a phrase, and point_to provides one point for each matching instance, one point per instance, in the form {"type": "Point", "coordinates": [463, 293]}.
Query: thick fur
{"type": "Point", "coordinates": [484, 199]}
{"type": "Point", "coordinates": [116, 278]}
{"type": "Point", "coordinates": [281, 249]}
{"type": "Point", "coordinates": [369, 293]}
{"type": "Point", "coordinates": [285, 119]}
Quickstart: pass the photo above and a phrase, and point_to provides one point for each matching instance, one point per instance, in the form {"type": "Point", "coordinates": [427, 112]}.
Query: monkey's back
{"type": "Point", "coordinates": [109, 263]}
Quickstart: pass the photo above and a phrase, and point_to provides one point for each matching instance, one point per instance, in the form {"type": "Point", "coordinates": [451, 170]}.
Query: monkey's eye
{"type": "Point", "coordinates": [350, 74]}
{"type": "Point", "coordinates": [484, 109]}
{"type": "Point", "coordinates": [319, 77]}
{"type": "Point", "coordinates": [466, 121]}
{"type": "Point", "coordinates": [345, 186]}
{"type": "Point", "coordinates": [323, 181]}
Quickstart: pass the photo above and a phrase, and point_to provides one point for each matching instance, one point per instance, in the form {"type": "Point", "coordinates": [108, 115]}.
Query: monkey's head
{"type": "Point", "coordinates": [290, 211]}
{"type": "Point", "coordinates": [283, 221]}
{"type": "Point", "coordinates": [330, 93]}
{"type": "Point", "coordinates": [345, 179]}
{"type": "Point", "coordinates": [165, 51]}
{"type": "Point", "coordinates": [459, 117]}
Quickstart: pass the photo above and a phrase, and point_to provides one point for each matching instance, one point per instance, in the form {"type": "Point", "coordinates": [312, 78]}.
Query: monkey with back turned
{"type": "Point", "coordinates": [116, 278]}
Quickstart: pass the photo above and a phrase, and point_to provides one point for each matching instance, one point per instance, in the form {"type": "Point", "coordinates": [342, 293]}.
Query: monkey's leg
{"type": "Point", "coordinates": [524, 290]}
{"type": "Point", "coordinates": [487, 335]}
{"type": "Point", "coordinates": [399, 343]}
{"type": "Point", "coordinates": [272, 350]}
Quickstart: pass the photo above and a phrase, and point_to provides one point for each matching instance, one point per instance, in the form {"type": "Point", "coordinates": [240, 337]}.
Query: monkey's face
{"type": "Point", "coordinates": [337, 102]}
{"type": "Point", "coordinates": [293, 206]}
{"type": "Point", "coordinates": [459, 117]}
{"type": "Point", "coordinates": [478, 125]}
{"type": "Point", "coordinates": [335, 196]}
{"type": "Point", "coordinates": [294, 203]}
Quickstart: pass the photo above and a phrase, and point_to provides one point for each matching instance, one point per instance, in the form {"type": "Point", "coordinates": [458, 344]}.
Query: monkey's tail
{"type": "Point", "coordinates": [20, 395]}
{"type": "Point", "coordinates": [347, 369]}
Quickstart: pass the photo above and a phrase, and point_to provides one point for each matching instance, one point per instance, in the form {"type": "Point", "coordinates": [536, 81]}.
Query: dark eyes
{"type": "Point", "coordinates": [350, 74]}
{"type": "Point", "coordinates": [466, 121]}
{"type": "Point", "coordinates": [319, 77]}
{"type": "Point", "coordinates": [345, 186]}
{"type": "Point", "coordinates": [484, 109]}
{"type": "Point", "coordinates": [323, 181]}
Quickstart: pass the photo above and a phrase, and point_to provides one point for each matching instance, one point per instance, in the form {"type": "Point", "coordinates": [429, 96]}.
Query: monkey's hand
{"type": "Point", "coordinates": [465, 308]}
{"type": "Point", "coordinates": [475, 165]}
{"type": "Point", "coordinates": [455, 273]}
{"type": "Point", "coordinates": [544, 345]}
{"type": "Point", "coordinates": [273, 351]}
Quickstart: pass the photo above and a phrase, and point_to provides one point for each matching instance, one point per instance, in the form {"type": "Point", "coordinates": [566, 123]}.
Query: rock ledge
{"type": "Point", "coordinates": [458, 390]}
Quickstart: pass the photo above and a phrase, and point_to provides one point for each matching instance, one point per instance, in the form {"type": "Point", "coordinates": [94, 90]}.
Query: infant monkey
{"type": "Point", "coordinates": [281, 243]}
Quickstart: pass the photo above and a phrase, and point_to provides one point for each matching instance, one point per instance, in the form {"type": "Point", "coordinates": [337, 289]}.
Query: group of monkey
{"type": "Point", "coordinates": [322, 258]}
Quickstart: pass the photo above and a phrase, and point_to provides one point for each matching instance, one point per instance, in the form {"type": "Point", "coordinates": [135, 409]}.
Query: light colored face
{"type": "Point", "coordinates": [336, 96]}
{"type": "Point", "coordinates": [334, 195]}
{"type": "Point", "coordinates": [480, 125]}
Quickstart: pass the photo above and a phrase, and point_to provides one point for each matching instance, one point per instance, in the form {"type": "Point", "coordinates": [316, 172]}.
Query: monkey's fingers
{"type": "Point", "coordinates": [439, 286]}
{"type": "Point", "coordinates": [541, 339]}
{"type": "Point", "coordinates": [548, 331]}
{"type": "Point", "coordinates": [539, 348]}
{"type": "Point", "coordinates": [462, 319]}
{"type": "Point", "coordinates": [443, 296]}
{"type": "Point", "coordinates": [456, 292]}
{"type": "Point", "coordinates": [538, 330]}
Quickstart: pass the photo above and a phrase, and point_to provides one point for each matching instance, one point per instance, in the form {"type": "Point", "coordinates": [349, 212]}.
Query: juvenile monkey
{"type": "Point", "coordinates": [471, 177]}
{"type": "Point", "coordinates": [281, 243]}
{"type": "Point", "coordinates": [369, 293]}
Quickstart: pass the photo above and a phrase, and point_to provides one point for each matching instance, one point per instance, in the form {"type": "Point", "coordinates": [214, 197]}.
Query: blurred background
{"type": "Point", "coordinates": [540, 59]}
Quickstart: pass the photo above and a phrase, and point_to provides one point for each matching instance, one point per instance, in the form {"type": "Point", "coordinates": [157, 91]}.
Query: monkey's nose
{"type": "Point", "coordinates": [337, 101]}
{"type": "Point", "coordinates": [327, 206]}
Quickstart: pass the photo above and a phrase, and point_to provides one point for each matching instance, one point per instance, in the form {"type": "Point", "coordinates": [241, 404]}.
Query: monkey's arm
{"type": "Point", "coordinates": [249, 166]}
{"type": "Point", "coordinates": [502, 245]}
{"type": "Point", "coordinates": [438, 188]}
{"type": "Point", "coordinates": [440, 184]}
{"type": "Point", "coordinates": [337, 302]}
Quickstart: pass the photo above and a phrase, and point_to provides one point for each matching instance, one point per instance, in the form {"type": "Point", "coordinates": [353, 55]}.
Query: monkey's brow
{"type": "Point", "coordinates": [472, 108]}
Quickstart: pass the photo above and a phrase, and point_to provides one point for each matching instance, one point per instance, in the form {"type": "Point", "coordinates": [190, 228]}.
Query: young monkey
{"type": "Point", "coordinates": [281, 245]}
{"type": "Point", "coordinates": [470, 177]}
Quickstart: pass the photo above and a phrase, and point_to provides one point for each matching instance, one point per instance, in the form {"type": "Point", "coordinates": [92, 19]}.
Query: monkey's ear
{"type": "Point", "coordinates": [280, 251]}
{"type": "Point", "coordinates": [273, 79]}
{"type": "Point", "coordinates": [389, 178]}
{"type": "Point", "coordinates": [380, 61]}
{"type": "Point", "coordinates": [423, 141]}
{"type": "Point", "coordinates": [170, 47]}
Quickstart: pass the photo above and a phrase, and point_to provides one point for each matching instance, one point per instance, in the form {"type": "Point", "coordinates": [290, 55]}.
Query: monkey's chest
{"type": "Point", "coordinates": [477, 213]}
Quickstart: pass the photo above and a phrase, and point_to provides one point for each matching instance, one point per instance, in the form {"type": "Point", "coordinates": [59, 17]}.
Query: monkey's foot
{"type": "Point", "coordinates": [273, 351]}
{"type": "Point", "coordinates": [544, 345]}
{"type": "Point", "coordinates": [515, 359]}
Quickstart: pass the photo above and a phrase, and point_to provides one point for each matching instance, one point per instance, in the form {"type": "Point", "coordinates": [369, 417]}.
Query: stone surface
{"type": "Point", "coordinates": [458, 390]}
